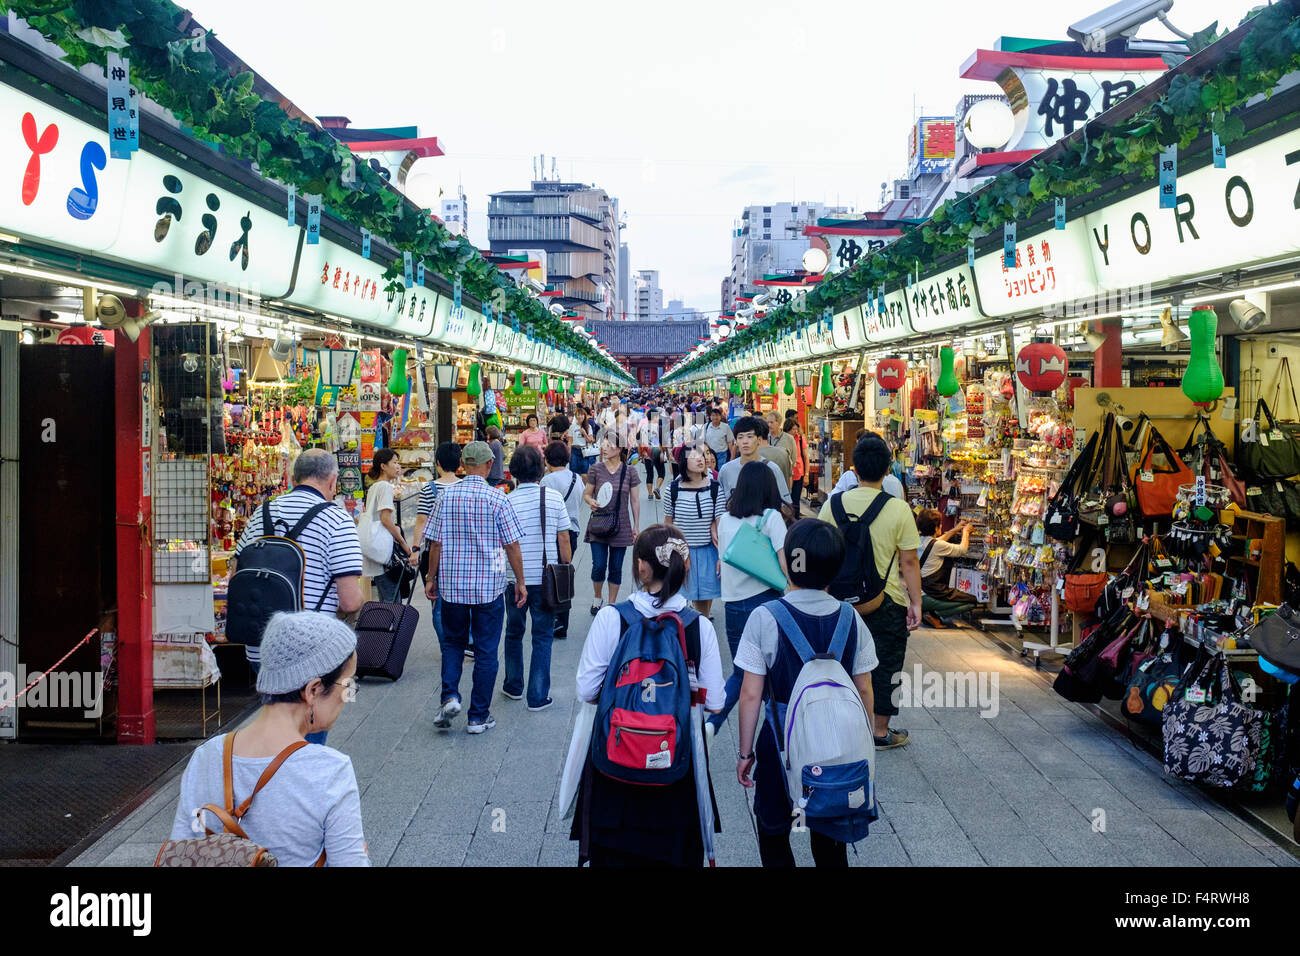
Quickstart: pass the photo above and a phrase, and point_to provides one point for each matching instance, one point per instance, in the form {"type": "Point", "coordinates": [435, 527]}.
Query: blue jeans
{"type": "Point", "coordinates": [723, 457]}
{"type": "Point", "coordinates": [603, 555]}
{"type": "Point", "coordinates": [459, 622]}
{"type": "Point", "coordinates": [436, 617]}
{"type": "Point", "coordinates": [737, 613]}
{"type": "Point", "coordinates": [539, 664]}
{"type": "Point", "coordinates": [578, 462]}
{"type": "Point", "coordinates": [387, 589]}
{"type": "Point", "coordinates": [316, 738]}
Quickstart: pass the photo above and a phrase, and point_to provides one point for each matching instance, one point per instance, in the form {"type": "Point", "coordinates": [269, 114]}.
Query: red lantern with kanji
{"type": "Point", "coordinates": [1041, 366]}
{"type": "Point", "coordinates": [891, 374]}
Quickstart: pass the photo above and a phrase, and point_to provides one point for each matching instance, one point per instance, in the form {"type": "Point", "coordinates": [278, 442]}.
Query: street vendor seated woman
{"type": "Point", "coordinates": [941, 602]}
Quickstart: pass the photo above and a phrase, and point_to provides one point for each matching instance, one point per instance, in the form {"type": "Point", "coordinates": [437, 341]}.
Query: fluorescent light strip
{"type": "Point", "coordinates": [1238, 293]}
{"type": "Point", "coordinates": [82, 281]}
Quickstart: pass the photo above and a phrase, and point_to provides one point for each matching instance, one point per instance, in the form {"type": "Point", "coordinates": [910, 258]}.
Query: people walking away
{"type": "Point", "coordinates": [894, 541]}
{"type": "Point", "coordinates": [799, 466]}
{"type": "Point", "coordinates": [471, 526]}
{"type": "Point", "coordinates": [937, 551]}
{"type": "Point", "coordinates": [385, 469]}
{"type": "Point", "coordinates": [532, 435]}
{"type": "Point", "coordinates": [618, 823]}
{"type": "Point", "coordinates": [779, 447]}
{"type": "Point", "coordinates": [650, 441]}
{"type": "Point", "coordinates": [331, 547]}
{"type": "Point", "coordinates": [570, 488]}
{"type": "Point", "coordinates": [756, 502]}
{"type": "Point", "coordinates": [780, 638]}
{"type": "Point", "coordinates": [719, 436]}
{"type": "Point", "coordinates": [751, 437]}
{"type": "Point", "coordinates": [544, 521]}
{"type": "Point", "coordinates": [447, 458]}
{"type": "Point", "coordinates": [497, 473]}
{"type": "Point", "coordinates": [695, 502]}
{"type": "Point", "coordinates": [611, 527]}
{"type": "Point", "coordinates": [296, 799]}
{"type": "Point", "coordinates": [557, 429]}
{"type": "Point", "coordinates": [582, 441]}
{"type": "Point", "coordinates": [889, 483]}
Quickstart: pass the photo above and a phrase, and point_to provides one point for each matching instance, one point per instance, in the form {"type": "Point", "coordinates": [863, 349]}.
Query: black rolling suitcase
{"type": "Point", "coordinates": [384, 633]}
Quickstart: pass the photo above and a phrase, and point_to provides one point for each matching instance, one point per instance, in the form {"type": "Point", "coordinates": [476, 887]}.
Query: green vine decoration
{"type": "Point", "coordinates": [1191, 104]}
{"type": "Point", "coordinates": [224, 110]}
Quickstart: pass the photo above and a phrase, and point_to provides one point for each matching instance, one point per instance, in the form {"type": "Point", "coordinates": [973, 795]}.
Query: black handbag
{"type": "Point", "coordinates": [605, 523]}
{"type": "Point", "coordinates": [1275, 453]}
{"type": "Point", "coordinates": [1061, 520]}
{"type": "Point", "coordinates": [559, 579]}
{"type": "Point", "coordinates": [1277, 639]}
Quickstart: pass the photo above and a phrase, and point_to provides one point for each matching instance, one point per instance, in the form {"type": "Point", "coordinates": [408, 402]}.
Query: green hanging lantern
{"type": "Point", "coordinates": [771, 387]}
{"type": "Point", "coordinates": [397, 382]}
{"type": "Point", "coordinates": [475, 386]}
{"type": "Point", "coordinates": [789, 382]}
{"type": "Point", "coordinates": [546, 385]}
{"type": "Point", "coordinates": [518, 387]}
{"type": "Point", "coordinates": [753, 384]}
{"type": "Point", "coordinates": [947, 384]}
{"type": "Point", "coordinates": [1203, 379]}
{"type": "Point", "coordinates": [735, 386]}
{"type": "Point", "coordinates": [573, 386]}
{"type": "Point", "coordinates": [828, 386]}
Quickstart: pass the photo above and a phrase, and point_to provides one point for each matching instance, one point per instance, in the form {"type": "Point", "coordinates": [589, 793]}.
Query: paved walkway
{"type": "Point", "coordinates": [1031, 786]}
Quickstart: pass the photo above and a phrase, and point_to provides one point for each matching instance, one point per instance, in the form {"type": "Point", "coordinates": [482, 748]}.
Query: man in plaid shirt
{"type": "Point", "coordinates": [472, 530]}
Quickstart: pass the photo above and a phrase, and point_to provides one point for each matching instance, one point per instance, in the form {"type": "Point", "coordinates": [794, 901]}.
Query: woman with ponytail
{"type": "Point", "coordinates": [385, 469]}
{"type": "Point", "coordinates": [625, 824]}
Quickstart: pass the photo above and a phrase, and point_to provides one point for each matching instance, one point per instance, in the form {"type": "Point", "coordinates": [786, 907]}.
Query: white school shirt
{"type": "Point", "coordinates": [602, 642]}
{"type": "Point", "coordinates": [890, 484]}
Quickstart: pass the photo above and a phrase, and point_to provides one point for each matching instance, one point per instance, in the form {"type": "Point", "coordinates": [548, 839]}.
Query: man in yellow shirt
{"type": "Point", "coordinates": [894, 539]}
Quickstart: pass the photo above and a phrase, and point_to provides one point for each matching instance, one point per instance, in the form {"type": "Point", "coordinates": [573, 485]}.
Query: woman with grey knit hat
{"type": "Point", "coordinates": [298, 800]}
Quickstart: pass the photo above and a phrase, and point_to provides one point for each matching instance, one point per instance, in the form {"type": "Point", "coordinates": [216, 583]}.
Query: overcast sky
{"type": "Point", "coordinates": [685, 111]}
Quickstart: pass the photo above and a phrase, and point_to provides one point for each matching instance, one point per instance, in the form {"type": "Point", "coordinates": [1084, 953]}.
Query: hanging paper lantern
{"type": "Point", "coordinates": [772, 384]}
{"type": "Point", "coordinates": [947, 384]}
{"type": "Point", "coordinates": [828, 386]}
{"type": "Point", "coordinates": [1203, 379]}
{"type": "Point", "coordinates": [519, 382]}
{"type": "Point", "coordinates": [475, 387]}
{"type": "Point", "coordinates": [397, 382]}
{"type": "Point", "coordinates": [1041, 366]}
{"type": "Point", "coordinates": [891, 374]}
{"type": "Point", "coordinates": [735, 386]}
{"type": "Point", "coordinates": [546, 385]}
{"type": "Point", "coordinates": [789, 382]}
{"type": "Point", "coordinates": [753, 384]}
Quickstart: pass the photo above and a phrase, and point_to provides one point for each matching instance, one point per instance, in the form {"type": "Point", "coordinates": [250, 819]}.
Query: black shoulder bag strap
{"type": "Point", "coordinates": [541, 499]}
{"type": "Point", "coordinates": [312, 512]}
{"type": "Point", "coordinates": [925, 555]}
{"type": "Point", "coordinates": [837, 511]}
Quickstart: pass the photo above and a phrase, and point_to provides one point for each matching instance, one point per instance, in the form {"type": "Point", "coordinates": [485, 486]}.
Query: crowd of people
{"type": "Point", "coordinates": [730, 493]}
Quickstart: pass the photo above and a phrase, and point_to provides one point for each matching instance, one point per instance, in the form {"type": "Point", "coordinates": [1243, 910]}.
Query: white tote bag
{"type": "Point", "coordinates": [376, 542]}
{"type": "Point", "coordinates": [579, 745]}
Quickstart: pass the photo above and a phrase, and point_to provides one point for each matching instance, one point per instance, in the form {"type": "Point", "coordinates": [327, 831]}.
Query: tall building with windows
{"type": "Point", "coordinates": [623, 303]}
{"type": "Point", "coordinates": [577, 226]}
{"type": "Point", "coordinates": [768, 240]}
{"type": "Point", "coordinates": [649, 297]}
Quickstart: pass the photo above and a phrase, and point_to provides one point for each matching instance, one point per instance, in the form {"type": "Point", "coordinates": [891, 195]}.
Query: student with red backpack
{"type": "Point", "coordinates": [827, 750]}
{"type": "Point", "coordinates": [642, 788]}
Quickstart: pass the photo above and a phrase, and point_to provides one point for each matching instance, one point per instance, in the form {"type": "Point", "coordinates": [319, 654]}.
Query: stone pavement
{"type": "Point", "coordinates": [1029, 786]}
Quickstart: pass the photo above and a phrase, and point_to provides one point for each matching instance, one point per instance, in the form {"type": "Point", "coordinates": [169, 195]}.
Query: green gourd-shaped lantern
{"type": "Point", "coordinates": [828, 386]}
{"type": "Point", "coordinates": [947, 384]}
{"type": "Point", "coordinates": [546, 385]}
{"type": "Point", "coordinates": [397, 382]}
{"type": "Point", "coordinates": [519, 382]}
{"type": "Point", "coordinates": [771, 387]}
{"type": "Point", "coordinates": [753, 384]}
{"type": "Point", "coordinates": [789, 382]}
{"type": "Point", "coordinates": [475, 386]}
{"type": "Point", "coordinates": [1203, 379]}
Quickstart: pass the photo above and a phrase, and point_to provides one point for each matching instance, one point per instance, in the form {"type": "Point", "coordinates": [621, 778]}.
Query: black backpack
{"type": "Point", "coordinates": [859, 581]}
{"type": "Point", "coordinates": [269, 577]}
{"type": "Point", "coordinates": [675, 485]}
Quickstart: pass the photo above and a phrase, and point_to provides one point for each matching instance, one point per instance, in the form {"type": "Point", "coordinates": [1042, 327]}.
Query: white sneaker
{"type": "Point", "coordinates": [507, 693]}
{"type": "Point", "coordinates": [445, 713]}
{"type": "Point", "coordinates": [487, 725]}
{"type": "Point", "coordinates": [710, 732]}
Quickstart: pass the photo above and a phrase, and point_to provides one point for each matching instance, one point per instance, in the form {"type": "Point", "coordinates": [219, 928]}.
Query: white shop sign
{"type": "Point", "coordinates": [890, 324]}
{"type": "Point", "coordinates": [147, 213]}
{"type": "Point", "coordinates": [1225, 218]}
{"type": "Point", "coordinates": [849, 331]}
{"type": "Point", "coordinates": [818, 338]}
{"type": "Point", "coordinates": [1052, 269]}
{"type": "Point", "coordinates": [943, 301]}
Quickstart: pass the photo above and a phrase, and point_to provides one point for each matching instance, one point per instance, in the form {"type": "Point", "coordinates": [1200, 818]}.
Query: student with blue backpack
{"type": "Point", "coordinates": [808, 659]}
{"type": "Point", "coordinates": [645, 787]}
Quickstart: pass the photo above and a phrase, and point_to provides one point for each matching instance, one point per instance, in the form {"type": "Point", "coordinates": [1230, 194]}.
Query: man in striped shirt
{"type": "Point", "coordinates": [471, 527]}
{"type": "Point", "coordinates": [330, 542]}
{"type": "Point", "coordinates": [539, 546]}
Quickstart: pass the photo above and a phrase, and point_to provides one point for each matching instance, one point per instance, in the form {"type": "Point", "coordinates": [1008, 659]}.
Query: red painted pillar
{"type": "Point", "coordinates": [1108, 360]}
{"type": "Point", "coordinates": [135, 714]}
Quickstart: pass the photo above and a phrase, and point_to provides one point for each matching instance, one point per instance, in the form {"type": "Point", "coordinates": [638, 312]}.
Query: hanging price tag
{"type": "Point", "coordinates": [1060, 212]}
{"type": "Point", "coordinates": [313, 219]}
{"type": "Point", "coordinates": [455, 293]}
{"type": "Point", "coordinates": [1009, 245]}
{"type": "Point", "coordinates": [419, 273]}
{"type": "Point", "coordinates": [291, 206]}
{"type": "Point", "coordinates": [408, 269]}
{"type": "Point", "coordinates": [1220, 152]}
{"type": "Point", "coordinates": [970, 254]}
{"type": "Point", "coordinates": [1148, 476]}
{"type": "Point", "coordinates": [1167, 164]}
{"type": "Point", "coordinates": [365, 243]}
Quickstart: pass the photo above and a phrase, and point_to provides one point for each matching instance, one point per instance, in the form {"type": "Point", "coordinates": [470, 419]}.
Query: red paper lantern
{"type": "Point", "coordinates": [1041, 366]}
{"type": "Point", "coordinates": [891, 374]}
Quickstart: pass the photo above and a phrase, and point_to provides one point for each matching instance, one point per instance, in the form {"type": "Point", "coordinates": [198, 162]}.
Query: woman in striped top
{"type": "Point", "coordinates": [694, 503]}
